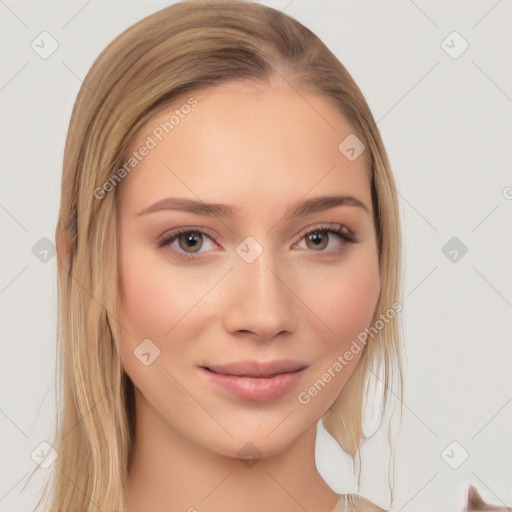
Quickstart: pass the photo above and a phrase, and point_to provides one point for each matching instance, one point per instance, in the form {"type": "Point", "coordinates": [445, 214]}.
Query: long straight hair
{"type": "Point", "coordinates": [161, 60]}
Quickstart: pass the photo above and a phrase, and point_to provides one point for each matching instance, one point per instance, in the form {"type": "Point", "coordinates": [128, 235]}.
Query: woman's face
{"type": "Point", "coordinates": [253, 285]}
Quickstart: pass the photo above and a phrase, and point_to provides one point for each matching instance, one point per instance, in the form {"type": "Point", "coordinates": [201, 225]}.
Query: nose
{"type": "Point", "coordinates": [261, 301]}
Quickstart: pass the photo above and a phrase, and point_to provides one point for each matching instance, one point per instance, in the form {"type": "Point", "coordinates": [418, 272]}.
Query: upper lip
{"type": "Point", "coordinates": [257, 368]}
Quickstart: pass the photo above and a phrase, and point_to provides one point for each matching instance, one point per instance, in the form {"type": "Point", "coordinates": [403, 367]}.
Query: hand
{"type": "Point", "coordinates": [475, 503]}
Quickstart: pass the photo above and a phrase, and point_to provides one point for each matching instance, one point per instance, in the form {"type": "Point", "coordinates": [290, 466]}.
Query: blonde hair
{"type": "Point", "coordinates": [181, 49]}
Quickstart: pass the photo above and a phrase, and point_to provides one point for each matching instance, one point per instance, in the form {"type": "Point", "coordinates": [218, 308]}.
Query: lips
{"type": "Point", "coordinates": [257, 369]}
{"type": "Point", "coordinates": [254, 380]}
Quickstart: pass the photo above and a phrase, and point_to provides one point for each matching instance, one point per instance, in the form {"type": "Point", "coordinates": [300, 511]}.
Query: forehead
{"type": "Point", "coordinates": [233, 142]}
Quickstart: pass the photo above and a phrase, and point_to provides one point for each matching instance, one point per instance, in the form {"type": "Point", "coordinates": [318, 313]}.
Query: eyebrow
{"type": "Point", "coordinates": [304, 207]}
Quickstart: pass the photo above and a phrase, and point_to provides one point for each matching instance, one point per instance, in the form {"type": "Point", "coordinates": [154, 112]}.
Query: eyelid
{"type": "Point", "coordinates": [327, 226]}
{"type": "Point", "coordinates": [185, 229]}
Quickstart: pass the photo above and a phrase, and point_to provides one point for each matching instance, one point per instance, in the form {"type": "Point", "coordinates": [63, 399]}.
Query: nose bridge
{"type": "Point", "coordinates": [261, 302]}
{"type": "Point", "coordinates": [261, 283]}
{"type": "Point", "coordinates": [260, 275]}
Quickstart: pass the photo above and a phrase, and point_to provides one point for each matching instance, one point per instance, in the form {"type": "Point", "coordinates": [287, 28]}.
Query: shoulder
{"type": "Point", "coordinates": [356, 503]}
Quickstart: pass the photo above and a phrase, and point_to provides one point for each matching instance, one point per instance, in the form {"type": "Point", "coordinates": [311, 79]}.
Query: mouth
{"type": "Point", "coordinates": [253, 381]}
{"type": "Point", "coordinates": [253, 375]}
{"type": "Point", "coordinates": [256, 369]}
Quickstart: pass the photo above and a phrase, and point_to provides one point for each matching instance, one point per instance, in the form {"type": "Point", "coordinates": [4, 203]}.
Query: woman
{"type": "Point", "coordinates": [229, 267]}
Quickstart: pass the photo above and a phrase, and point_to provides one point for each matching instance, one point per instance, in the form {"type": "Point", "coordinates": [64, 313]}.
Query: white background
{"type": "Point", "coordinates": [447, 126]}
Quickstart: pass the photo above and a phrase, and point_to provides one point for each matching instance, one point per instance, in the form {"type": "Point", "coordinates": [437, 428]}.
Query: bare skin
{"type": "Point", "coordinates": [260, 151]}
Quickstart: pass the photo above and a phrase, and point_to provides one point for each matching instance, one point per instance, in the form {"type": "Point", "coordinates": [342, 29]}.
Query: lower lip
{"type": "Point", "coordinates": [256, 389]}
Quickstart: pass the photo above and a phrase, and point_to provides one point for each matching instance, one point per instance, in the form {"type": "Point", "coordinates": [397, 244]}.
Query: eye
{"type": "Point", "coordinates": [318, 238]}
{"type": "Point", "coordinates": [185, 242]}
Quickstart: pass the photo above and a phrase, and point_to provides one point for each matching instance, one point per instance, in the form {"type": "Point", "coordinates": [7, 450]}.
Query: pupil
{"type": "Point", "coordinates": [317, 237]}
{"type": "Point", "coordinates": [192, 241]}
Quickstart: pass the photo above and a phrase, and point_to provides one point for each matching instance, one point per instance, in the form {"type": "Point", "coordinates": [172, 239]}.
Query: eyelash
{"type": "Point", "coordinates": [338, 229]}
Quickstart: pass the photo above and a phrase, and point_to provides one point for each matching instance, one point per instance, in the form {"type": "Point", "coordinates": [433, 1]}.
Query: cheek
{"type": "Point", "coordinates": [346, 304]}
{"type": "Point", "coordinates": [143, 295]}
{"type": "Point", "coordinates": [154, 296]}
{"type": "Point", "coordinates": [347, 298]}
